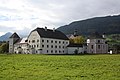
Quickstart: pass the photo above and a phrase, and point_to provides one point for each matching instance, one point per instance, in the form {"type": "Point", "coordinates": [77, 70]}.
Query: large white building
{"type": "Point", "coordinates": [40, 41]}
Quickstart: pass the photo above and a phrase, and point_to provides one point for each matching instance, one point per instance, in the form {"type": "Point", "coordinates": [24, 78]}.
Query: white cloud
{"type": "Point", "coordinates": [18, 15]}
{"type": "Point", "coordinates": [2, 33]}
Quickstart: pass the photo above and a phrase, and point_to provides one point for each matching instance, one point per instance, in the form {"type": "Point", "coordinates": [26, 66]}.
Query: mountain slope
{"type": "Point", "coordinates": [108, 25]}
{"type": "Point", "coordinates": [5, 37]}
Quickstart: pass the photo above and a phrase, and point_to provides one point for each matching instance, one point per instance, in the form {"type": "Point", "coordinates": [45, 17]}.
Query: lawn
{"type": "Point", "coordinates": [59, 67]}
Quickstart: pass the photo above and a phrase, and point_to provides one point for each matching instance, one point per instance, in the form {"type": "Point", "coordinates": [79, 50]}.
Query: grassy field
{"type": "Point", "coordinates": [59, 67]}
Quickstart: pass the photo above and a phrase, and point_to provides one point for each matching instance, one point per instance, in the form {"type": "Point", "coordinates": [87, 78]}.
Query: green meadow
{"type": "Point", "coordinates": [59, 67]}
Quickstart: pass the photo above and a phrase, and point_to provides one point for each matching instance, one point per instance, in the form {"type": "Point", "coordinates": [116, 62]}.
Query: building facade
{"type": "Point", "coordinates": [46, 41]}
{"type": "Point", "coordinates": [21, 47]}
{"type": "Point", "coordinates": [77, 48]}
{"type": "Point", "coordinates": [41, 41]}
{"type": "Point", "coordinates": [96, 44]}
{"type": "Point", "coordinates": [12, 40]}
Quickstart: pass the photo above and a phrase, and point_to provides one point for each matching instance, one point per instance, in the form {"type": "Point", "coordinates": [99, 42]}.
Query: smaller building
{"type": "Point", "coordinates": [76, 48]}
{"type": "Point", "coordinates": [96, 44]}
{"type": "Point", "coordinates": [14, 38]}
{"type": "Point", "coordinates": [21, 46]}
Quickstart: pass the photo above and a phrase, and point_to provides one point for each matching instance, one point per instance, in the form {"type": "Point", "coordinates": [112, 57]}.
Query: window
{"type": "Point", "coordinates": [29, 41]}
{"type": "Point", "coordinates": [63, 47]}
{"type": "Point", "coordinates": [59, 41]}
{"type": "Point", "coordinates": [47, 46]}
{"type": "Point", "coordinates": [55, 46]}
{"type": "Point", "coordinates": [92, 46]}
{"type": "Point", "coordinates": [59, 46]}
{"type": "Point", "coordinates": [51, 51]}
{"type": "Point", "coordinates": [42, 40]}
{"type": "Point", "coordinates": [43, 46]}
{"type": "Point", "coordinates": [55, 51]}
{"type": "Point", "coordinates": [98, 41]}
{"type": "Point", "coordinates": [66, 42]}
{"type": "Point", "coordinates": [98, 46]}
{"type": "Point", "coordinates": [33, 41]}
{"type": "Point", "coordinates": [59, 51]}
{"type": "Point", "coordinates": [63, 42]}
{"type": "Point", "coordinates": [37, 40]}
{"type": "Point", "coordinates": [34, 45]}
{"type": "Point", "coordinates": [63, 51]}
{"type": "Point", "coordinates": [47, 41]}
{"type": "Point", "coordinates": [37, 45]}
{"type": "Point", "coordinates": [51, 46]}
{"type": "Point", "coordinates": [47, 51]}
{"type": "Point", "coordinates": [52, 41]}
{"type": "Point", "coordinates": [55, 41]}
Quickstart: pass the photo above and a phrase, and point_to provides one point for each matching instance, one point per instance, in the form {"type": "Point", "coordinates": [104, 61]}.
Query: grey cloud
{"type": "Point", "coordinates": [72, 10]}
{"type": "Point", "coordinates": [79, 9]}
{"type": "Point", "coordinates": [25, 31]}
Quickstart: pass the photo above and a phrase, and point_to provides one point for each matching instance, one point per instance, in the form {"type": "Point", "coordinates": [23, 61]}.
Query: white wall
{"type": "Point", "coordinates": [37, 44]}
{"type": "Point", "coordinates": [44, 42]}
{"type": "Point", "coordinates": [103, 46]}
{"type": "Point", "coordinates": [59, 46]}
{"type": "Point", "coordinates": [71, 50]}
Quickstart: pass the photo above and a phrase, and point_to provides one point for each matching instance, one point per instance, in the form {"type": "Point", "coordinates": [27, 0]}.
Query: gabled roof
{"type": "Point", "coordinates": [14, 35]}
{"type": "Point", "coordinates": [54, 34]}
{"type": "Point", "coordinates": [96, 35]}
{"type": "Point", "coordinates": [21, 41]}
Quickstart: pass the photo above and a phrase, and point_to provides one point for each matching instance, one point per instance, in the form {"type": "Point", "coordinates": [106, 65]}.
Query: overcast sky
{"type": "Point", "coordinates": [22, 16]}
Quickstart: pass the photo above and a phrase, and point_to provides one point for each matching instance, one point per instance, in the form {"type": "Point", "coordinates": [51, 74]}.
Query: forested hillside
{"type": "Point", "coordinates": [108, 25]}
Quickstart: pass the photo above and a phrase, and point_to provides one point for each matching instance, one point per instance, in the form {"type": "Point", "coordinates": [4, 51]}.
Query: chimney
{"type": "Point", "coordinates": [45, 28]}
{"type": "Point", "coordinates": [103, 35]}
{"type": "Point", "coordinates": [53, 29]}
{"type": "Point", "coordinates": [75, 32]}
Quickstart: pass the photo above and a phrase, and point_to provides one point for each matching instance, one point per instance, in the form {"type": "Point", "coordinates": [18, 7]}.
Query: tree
{"type": "Point", "coordinates": [4, 48]}
{"type": "Point", "coordinates": [116, 48]}
{"type": "Point", "coordinates": [77, 40]}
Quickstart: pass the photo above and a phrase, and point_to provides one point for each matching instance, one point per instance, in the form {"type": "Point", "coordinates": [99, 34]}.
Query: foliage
{"type": "Point", "coordinates": [59, 67]}
{"type": "Point", "coordinates": [4, 48]}
{"type": "Point", "coordinates": [78, 40]}
{"type": "Point", "coordinates": [114, 42]}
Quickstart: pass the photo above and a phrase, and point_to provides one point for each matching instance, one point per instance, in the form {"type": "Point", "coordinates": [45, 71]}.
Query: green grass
{"type": "Point", "coordinates": [59, 67]}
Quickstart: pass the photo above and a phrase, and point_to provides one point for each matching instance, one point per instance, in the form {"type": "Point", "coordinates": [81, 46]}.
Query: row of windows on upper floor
{"type": "Point", "coordinates": [47, 46]}
{"type": "Point", "coordinates": [33, 41]}
{"type": "Point", "coordinates": [99, 46]}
